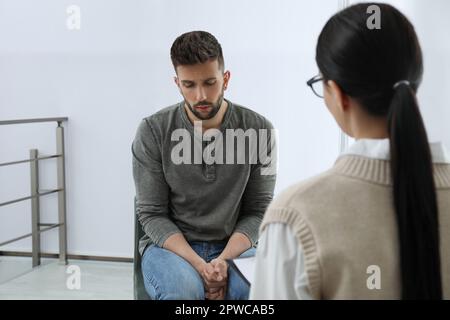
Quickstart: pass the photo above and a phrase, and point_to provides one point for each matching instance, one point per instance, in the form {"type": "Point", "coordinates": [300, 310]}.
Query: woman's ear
{"type": "Point", "coordinates": [341, 100]}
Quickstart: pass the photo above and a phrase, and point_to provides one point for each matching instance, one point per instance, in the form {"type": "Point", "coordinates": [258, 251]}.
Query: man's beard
{"type": "Point", "coordinates": [214, 108]}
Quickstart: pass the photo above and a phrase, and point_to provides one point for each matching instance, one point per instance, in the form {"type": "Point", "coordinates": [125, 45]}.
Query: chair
{"type": "Point", "coordinates": [138, 280]}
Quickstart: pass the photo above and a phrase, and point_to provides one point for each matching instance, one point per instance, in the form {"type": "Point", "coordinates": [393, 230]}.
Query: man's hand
{"type": "Point", "coordinates": [215, 277]}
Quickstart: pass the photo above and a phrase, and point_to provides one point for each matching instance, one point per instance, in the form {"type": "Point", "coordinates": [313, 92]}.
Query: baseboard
{"type": "Point", "coordinates": [69, 256]}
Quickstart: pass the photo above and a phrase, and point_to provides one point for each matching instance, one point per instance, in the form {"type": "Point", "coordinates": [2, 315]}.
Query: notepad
{"type": "Point", "coordinates": [244, 267]}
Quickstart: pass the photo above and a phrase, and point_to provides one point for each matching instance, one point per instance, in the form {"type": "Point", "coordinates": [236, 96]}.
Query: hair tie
{"type": "Point", "coordinates": [405, 82]}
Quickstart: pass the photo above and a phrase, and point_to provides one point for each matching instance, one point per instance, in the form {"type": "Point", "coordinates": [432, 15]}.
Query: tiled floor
{"type": "Point", "coordinates": [98, 280]}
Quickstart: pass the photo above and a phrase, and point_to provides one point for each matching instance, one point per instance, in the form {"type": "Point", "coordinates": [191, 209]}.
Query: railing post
{"type": "Point", "coordinates": [35, 235]}
{"type": "Point", "coordinates": [61, 194]}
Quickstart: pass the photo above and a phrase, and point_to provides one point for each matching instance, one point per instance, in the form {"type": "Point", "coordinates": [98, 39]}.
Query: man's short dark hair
{"type": "Point", "coordinates": [196, 47]}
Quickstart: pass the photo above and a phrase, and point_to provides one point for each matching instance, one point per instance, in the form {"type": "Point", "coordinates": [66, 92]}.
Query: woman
{"type": "Point", "coordinates": [377, 224]}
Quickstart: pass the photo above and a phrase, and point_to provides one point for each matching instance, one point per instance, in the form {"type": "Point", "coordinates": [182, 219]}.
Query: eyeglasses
{"type": "Point", "coordinates": [316, 84]}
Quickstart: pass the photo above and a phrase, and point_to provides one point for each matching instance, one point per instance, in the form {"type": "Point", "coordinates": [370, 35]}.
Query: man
{"type": "Point", "coordinates": [196, 209]}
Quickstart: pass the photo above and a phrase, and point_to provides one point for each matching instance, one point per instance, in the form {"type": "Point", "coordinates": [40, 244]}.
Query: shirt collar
{"type": "Point", "coordinates": [379, 149]}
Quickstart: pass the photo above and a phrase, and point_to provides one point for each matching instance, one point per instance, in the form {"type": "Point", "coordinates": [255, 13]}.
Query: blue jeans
{"type": "Point", "coordinates": [168, 276]}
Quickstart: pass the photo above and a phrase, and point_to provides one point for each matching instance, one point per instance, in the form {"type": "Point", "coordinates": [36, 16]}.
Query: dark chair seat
{"type": "Point", "coordinates": [139, 288]}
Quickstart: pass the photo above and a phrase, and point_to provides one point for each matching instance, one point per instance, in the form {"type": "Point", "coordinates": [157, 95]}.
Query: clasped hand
{"type": "Point", "coordinates": [215, 278]}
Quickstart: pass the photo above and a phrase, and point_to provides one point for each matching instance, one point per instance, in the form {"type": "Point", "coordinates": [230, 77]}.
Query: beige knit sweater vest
{"type": "Point", "coordinates": [345, 223]}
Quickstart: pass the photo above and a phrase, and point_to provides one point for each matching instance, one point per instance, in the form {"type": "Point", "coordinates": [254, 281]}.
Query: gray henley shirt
{"type": "Point", "coordinates": [205, 202]}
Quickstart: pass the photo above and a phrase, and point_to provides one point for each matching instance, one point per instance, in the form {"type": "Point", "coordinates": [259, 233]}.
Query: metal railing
{"type": "Point", "coordinates": [36, 226]}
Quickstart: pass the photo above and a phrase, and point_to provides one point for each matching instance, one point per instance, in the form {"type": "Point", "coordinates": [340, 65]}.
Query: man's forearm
{"type": "Point", "coordinates": [237, 244]}
{"type": "Point", "coordinates": [178, 245]}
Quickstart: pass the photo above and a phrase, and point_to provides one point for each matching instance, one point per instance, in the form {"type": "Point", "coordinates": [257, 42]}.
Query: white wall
{"type": "Point", "coordinates": [116, 70]}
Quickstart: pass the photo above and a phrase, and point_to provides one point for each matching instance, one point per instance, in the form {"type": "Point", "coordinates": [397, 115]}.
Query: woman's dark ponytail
{"type": "Point", "coordinates": [381, 69]}
{"type": "Point", "coordinates": [414, 197]}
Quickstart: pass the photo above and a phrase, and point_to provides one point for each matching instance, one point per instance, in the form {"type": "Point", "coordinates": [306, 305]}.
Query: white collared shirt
{"type": "Point", "coordinates": [280, 270]}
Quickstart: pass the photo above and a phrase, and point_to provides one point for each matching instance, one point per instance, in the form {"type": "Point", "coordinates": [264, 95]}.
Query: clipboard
{"type": "Point", "coordinates": [244, 267]}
